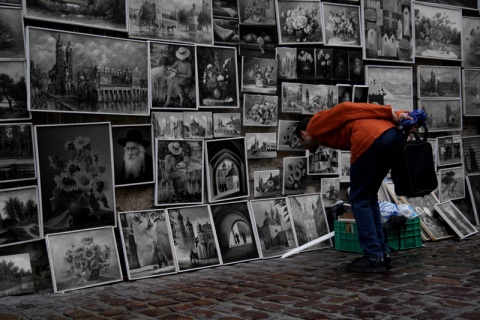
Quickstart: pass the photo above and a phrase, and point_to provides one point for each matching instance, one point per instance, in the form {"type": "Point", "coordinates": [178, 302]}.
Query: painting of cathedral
{"type": "Point", "coordinates": [75, 73]}
{"type": "Point", "coordinates": [442, 115]}
{"type": "Point", "coordinates": [187, 21]}
{"type": "Point", "coordinates": [274, 226]}
{"type": "Point", "coordinates": [195, 242]}
{"type": "Point", "coordinates": [266, 183]}
{"type": "Point", "coordinates": [227, 125]}
{"type": "Point", "coordinates": [167, 125]}
{"type": "Point", "coordinates": [197, 124]}
{"type": "Point", "coordinates": [261, 145]}
{"type": "Point", "coordinates": [439, 82]}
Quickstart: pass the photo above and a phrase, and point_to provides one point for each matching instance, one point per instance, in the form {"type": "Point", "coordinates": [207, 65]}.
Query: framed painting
{"type": "Point", "coordinates": [330, 191]}
{"type": "Point", "coordinates": [324, 63]}
{"type": "Point", "coordinates": [356, 66]}
{"type": "Point", "coordinates": [471, 150]}
{"type": "Point", "coordinates": [146, 243]}
{"type": "Point", "coordinates": [340, 65]}
{"type": "Point", "coordinates": [20, 217]}
{"type": "Point", "coordinates": [291, 100]}
{"type": "Point", "coordinates": [226, 9]}
{"type": "Point", "coordinates": [390, 85]}
{"type": "Point", "coordinates": [344, 166]}
{"type": "Point", "coordinates": [12, 42]}
{"type": "Point", "coordinates": [189, 21]}
{"type": "Point", "coordinates": [227, 125]}
{"type": "Point", "coordinates": [324, 161]}
{"type": "Point", "coordinates": [227, 173]}
{"type": "Point", "coordinates": [217, 77]}
{"type": "Point", "coordinates": [259, 75]}
{"type": "Point", "coordinates": [167, 125]}
{"type": "Point", "coordinates": [390, 188]}
{"type": "Point", "coordinates": [438, 32]}
{"type": "Point", "coordinates": [287, 62]}
{"type": "Point", "coordinates": [294, 175]}
{"type": "Point", "coordinates": [235, 231]}
{"type": "Point", "coordinates": [179, 174]}
{"type": "Point", "coordinates": [266, 183]}
{"type": "Point", "coordinates": [225, 31]}
{"type": "Point", "coordinates": [261, 145]}
{"type": "Point", "coordinates": [439, 82]}
{"type": "Point", "coordinates": [473, 183]}
{"type": "Point", "coordinates": [470, 42]}
{"type": "Point", "coordinates": [132, 154]}
{"type": "Point", "coordinates": [257, 40]}
{"type": "Point", "coordinates": [388, 30]}
{"type": "Point", "coordinates": [299, 22]}
{"type": "Point", "coordinates": [342, 25]}
{"type": "Point", "coordinates": [197, 124]}
{"type": "Point", "coordinates": [76, 182]}
{"type": "Point", "coordinates": [455, 219]}
{"type": "Point", "coordinates": [13, 104]}
{"type": "Point", "coordinates": [345, 92]}
{"type": "Point", "coordinates": [17, 155]}
{"type": "Point", "coordinates": [287, 140]}
{"type": "Point", "coordinates": [80, 73]}
{"type": "Point", "coordinates": [449, 151]}
{"type": "Point", "coordinates": [442, 115]}
{"type": "Point", "coordinates": [306, 63]}
{"type": "Point", "coordinates": [260, 110]}
{"type": "Point", "coordinates": [260, 12]}
{"type": "Point", "coordinates": [20, 279]}
{"type": "Point", "coordinates": [102, 14]}
{"type": "Point", "coordinates": [318, 97]}
{"type": "Point", "coordinates": [172, 76]}
{"type": "Point", "coordinates": [12, 2]}
{"type": "Point", "coordinates": [471, 92]}
{"type": "Point", "coordinates": [452, 183]}
{"type": "Point", "coordinates": [309, 219]}
{"type": "Point", "coordinates": [466, 4]}
{"type": "Point", "coordinates": [195, 243]}
{"type": "Point", "coordinates": [360, 93]}
{"type": "Point", "coordinates": [433, 143]}
{"type": "Point", "coordinates": [83, 259]}
{"type": "Point", "coordinates": [274, 225]}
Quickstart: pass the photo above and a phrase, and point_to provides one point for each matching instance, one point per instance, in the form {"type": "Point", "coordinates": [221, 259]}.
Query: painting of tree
{"type": "Point", "coordinates": [16, 275]}
{"type": "Point", "coordinates": [16, 152]}
{"type": "Point", "coordinates": [13, 91]}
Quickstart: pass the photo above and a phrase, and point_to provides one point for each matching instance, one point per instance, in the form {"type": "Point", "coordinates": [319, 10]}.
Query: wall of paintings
{"type": "Point", "coordinates": [146, 138]}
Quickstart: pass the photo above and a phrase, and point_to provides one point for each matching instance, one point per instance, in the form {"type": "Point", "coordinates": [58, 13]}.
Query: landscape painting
{"type": "Point", "coordinates": [12, 39]}
{"type": "Point", "coordinates": [439, 82]}
{"type": "Point", "coordinates": [16, 152]}
{"type": "Point", "coordinates": [16, 277]}
{"type": "Point", "coordinates": [261, 145]}
{"type": "Point", "coordinates": [19, 216]}
{"type": "Point", "coordinates": [79, 73]}
{"type": "Point", "coordinates": [13, 91]}
{"type": "Point", "coordinates": [197, 124]}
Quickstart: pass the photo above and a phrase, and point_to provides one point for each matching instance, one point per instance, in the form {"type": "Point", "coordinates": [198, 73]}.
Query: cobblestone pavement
{"type": "Point", "coordinates": [438, 281]}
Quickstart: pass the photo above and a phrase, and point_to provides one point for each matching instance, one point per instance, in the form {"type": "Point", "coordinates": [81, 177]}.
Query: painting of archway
{"type": "Point", "coordinates": [227, 175]}
{"type": "Point", "coordinates": [235, 232]}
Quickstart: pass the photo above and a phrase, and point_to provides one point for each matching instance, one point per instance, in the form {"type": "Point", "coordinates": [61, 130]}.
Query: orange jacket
{"type": "Point", "coordinates": [351, 126]}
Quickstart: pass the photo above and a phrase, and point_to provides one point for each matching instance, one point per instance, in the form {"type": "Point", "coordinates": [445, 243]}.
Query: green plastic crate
{"type": "Point", "coordinates": [346, 236]}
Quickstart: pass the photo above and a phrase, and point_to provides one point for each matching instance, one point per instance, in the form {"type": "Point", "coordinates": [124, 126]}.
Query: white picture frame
{"type": "Point", "coordinates": [440, 82]}
{"type": "Point", "coordinates": [455, 219]}
{"type": "Point", "coordinates": [449, 150]}
{"type": "Point", "coordinates": [349, 16]}
{"type": "Point", "coordinates": [451, 183]}
{"type": "Point", "coordinates": [442, 115]}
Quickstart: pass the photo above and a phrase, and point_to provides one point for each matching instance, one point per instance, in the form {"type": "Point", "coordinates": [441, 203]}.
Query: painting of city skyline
{"type": "Point", "coordinates": [12, 40]}
{"type": "Point", "coordinates": [13, 92]}
{"type": "Point", "coordinates": [439, 82]}
{"type": "Point", "coordinates": [69, 72]}
{"type": "Point", "coordinates": [291, 97]}
{"type": "Point", "coordinates": [261, 145]}
{"type": "Point", "coordinates": [16, 152]}
{"type": "Point", "coordinates": [178, 21]}
{"type": "Point", "coordinates": [227, 125]}
{"type": "Point", "coordinates": [103, 14]}
{"type": "Point", "coordinates": [167, 125]}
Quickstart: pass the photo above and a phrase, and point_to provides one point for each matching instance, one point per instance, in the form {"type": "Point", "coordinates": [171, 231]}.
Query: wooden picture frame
{"type": "Point", "coordinates": [13, 36]}
{"type": "Point", "coordinates": [261, 145]}
{"type": "Point", "coordinates": [360, 93]}
{"type": "Point", "coordinates": [345, 93]}
{"type": "Point", "coordinates": [13, 108]}
{"type": "Point", "coordinates": [342, 25]}
{"type": "Point", "coordinates": [443, 115]}
{"type": "Point", "coordinates": [452, 183]}
{"type": "Point", "coordinates": [455, 219]}
{"type": "Point", "coordinates": [260, 110]}
{"type": "Point", "coordinates": [471, 92]}
{"type": "Point", "coordinates": [266, 183]}
{"type": "Point", "coordinates": [440, 82]}
{"type": "Point", "coordinates": [227, 125]}
{"type": "Point", "coordinates": [449, 151]}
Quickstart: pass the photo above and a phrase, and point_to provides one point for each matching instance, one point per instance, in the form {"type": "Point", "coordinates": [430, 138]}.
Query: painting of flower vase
{"type": "Point", "coordinates": [342, 25]}
{"type": "Point", "coordinates": [299, 22]}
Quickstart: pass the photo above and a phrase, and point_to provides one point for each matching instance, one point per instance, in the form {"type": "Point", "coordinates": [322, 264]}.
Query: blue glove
{"type": "Point", "coordinates": [419, 118]}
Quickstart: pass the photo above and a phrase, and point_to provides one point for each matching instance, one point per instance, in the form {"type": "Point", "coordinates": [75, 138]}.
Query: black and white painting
{"type": "Point", "coordinates": [16, 277]}
{"type": "Point", "coordinates": [259, 75]}
{"type": "Point", "coordinates": [342, 25]}
{"type": "Point", "coordinates": [324, 161]}
{"type": "Point", "coordinates": [261, 145]}
{"type": "Point", "coordinates": [324, 63]}
{"type": "Point", "coordinates": [146, 242]}
{"type": "Point", "coordinates": [287, 139]}
{"type": "Point", "coordinates": [76, 183]}
{"type": "Point", "coordinates": [257, 12]}
{"type": "Point", "coordinates": [274, 225]}
{"type": "Point", "coordinates": [433, 143]}
{"type": "Point", "coordinates": [473, 183]}
{"type": "Point", "coordinates": [13, 91]}
{"type": "Point", "coordinates": [452, 183]}
{"type": "Point", "coordinates": [471, 154]}
{"type": "Point", "coordinates": [471, 92]}
{"type": "Point", "coordinates": [294, 175]}
{"type": "Point", "coordinates": [194, 238]}
{"type": "Point", "coordinates": [16, 152]}
{"type": "Point", "coordinates": [227, 173]}
{"type": "Point", "coordinates": [172, 76]}
{"type": "Point", "coordinates": [287, 62]}
{"type": "Point", "coordinates": [260, 110]}
{"type": "Point", "coordinates": [217, 77]}
{"type": "Point", "coordinates": [83, 258]}
{"type": "Point", "coordinates": [455, 219]}
{"type": "Point", "coordinates": [179, 174]}
{"type": "Point", "coordinates": [356, 66]}
{"type": "Point", "coordinates": [102, 14]}
{"type": "Point", "coordinates": [442, 115]}
{"type": "Point", "coordinates": [187, 21]}
{"type": "Point", "coordinates": [227, 125]}
{"type": "Point", "coordinates": [80, 73]}
{"type": "Point", "coordinates": [12, 39]}
{"type": "Point", "coordinates": [345, 93]}
{"type": "Point", "coordinates": [291, 99]}
{"type": "Point", "coordinates": [388, 30]}
{"type": "Point", "coordinates": [266, 183]}
{"type": "Point", "coordinates": [197, 124]}
{"type": "Point", "coordinates": [235, 232]}
{"type": "Point", "coordinates": [309, 219]}
{"type": "Point", "coordinates": [19, 216]}
{"type": "Point", "coordinates": [257, 40]}
{"type": "Point", "coordinates": [225, 31]}
{"type": "Point", "coordinates": [390, 85]}
{"type": "Point", "coordinates": [344, 166]}
{"type": "Point", "coordinates": [449, 150]}
{"type": "Point", "coordinates": [360, 93]}
{"type": "Point", "coordinates": [330, 191]}
{"type": "Point", "coordinates": [12, 2]}
{"type": "Point", "coordinates": [439, 82]}
{"type": "Point", "coordinates": [167, 125]}
{"type": "Point", "coordinates": [466, 4]}
{"type": "Point", "coordinates": [318, 97]}
{"type": "Point", "coordinates": [470, 42]}
{"type": "Point", "coordinates": [438, 32]}
{"type": "Point", "coordinates": [132, 154]}
{"type": "Point", "coordinates": [340, 65]}
{"type": "Point", "coordinates": [226, 9]}
{"type": "Point", "coordinates": [306, 63]}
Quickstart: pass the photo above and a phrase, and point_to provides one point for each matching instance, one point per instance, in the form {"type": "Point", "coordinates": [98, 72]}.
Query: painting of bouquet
{"type": "Point", "coordinates": [324, 63]}
{"type": "Point", "coordinates": [305, 64]}
{"type": "Point", "coordinates": [259, 75]}
{"type": "Point", "coordinates": [258, 12]}
{"type": "Point", "coordinates": [342, 27]}
{"type": "Point", "coordinates": [299, 21]}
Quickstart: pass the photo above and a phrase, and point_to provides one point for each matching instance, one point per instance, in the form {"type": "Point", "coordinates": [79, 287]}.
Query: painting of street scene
{"type": "Point", "coordinates": [16, 152]}
{"type": "Point", "coordinates": [439, 82]}
{"type": "Point", "coordinates": [19, 218]}
{"type": "Point", "coordinates": [16, 277]}
{"type": "Point", "coordinates": [274, 226]}
{"type": "Point", "coordinates": [195, 241]}
{"type": "Point", "coordinates": [442, 115]}
{"type": "Point", "coordinates": [146, 244]}
{"type": "Point", "coordinates": [390, 86]}
{"type": "Point", "coordinates": [291, 97]}
{"type": "Point", "coordinates": [167, 125]}
{"type": "Point", "coordinates": [198, 124]}
{"type": "Point", "coordinates": [71, 72]}
{"type": "Point", "coordinates": [227, 125]}
{"type": "Point", "coordinates": [179, 21]}
{"type": "Point", "coordinates": [318, 97]}
{"type": "Point", "coordinates": [261, 145]}
{"type": "Point", "coordinates": [266, 183]}
{"type": "Point", "coordinates": [13, 91]}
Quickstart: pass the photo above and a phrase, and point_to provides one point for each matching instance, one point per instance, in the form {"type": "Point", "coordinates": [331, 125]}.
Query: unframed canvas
{"type": "Point", "coordinates": [342, 25]}
{"type": "Point", "coordinates": [439, 82]}
{"type": "Point", "coordinates": [260, 110]}
{"type": "Point", "coordinates": [261, 145]}
{"type": "Point", "coordinates": [287, 140]}
{"type": "Point", "coordinates": [197, 125]}
{"type": "Point", "coordinates": [470, 28]}
{"type": "Point", "coordinates": [227, 125]}
{"type": "Point", "coordinates": [20, 279]}
{"type": "Point", "coordinates": [449, 150]}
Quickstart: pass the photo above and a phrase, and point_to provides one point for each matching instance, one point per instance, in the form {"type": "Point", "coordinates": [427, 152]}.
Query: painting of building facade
{"type": "Point", "coordinates": [16, 152]}
{"type": "Point", "coordinates": [442, 115]}
{"type": "Point", "coordinates": [70, 72]}
{"type": "Point", "coordinates": [266, 183]}
{"type": "Point", "coordinates": [261, 145]}
{"type": "Point", "coordinates": [227, 125]}
{"type": "Point", "coordinates": [167, 125]}
{"type": "Point", "coordinates": [13, 91]}
{"type": "Point", "coordinates": [439, 82]}
{"type": "Point", "coordinates": [198, 124]}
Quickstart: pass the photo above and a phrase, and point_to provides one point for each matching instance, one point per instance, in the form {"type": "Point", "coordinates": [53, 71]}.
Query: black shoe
{"type": "Point", "coordinates": [367, 265]}
{"type": "Point", "coordinates": [387, 260]}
